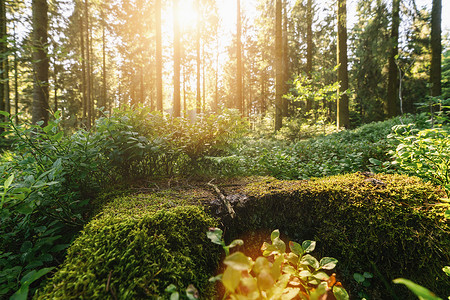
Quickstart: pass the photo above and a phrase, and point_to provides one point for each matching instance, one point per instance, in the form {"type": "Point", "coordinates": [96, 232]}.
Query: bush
{"type": "Point", "coordinates": [362, 149]}
{"type": "Point", "coordinates": [390, 227]}
{"type": "Point", "coordinates": [128, 257]}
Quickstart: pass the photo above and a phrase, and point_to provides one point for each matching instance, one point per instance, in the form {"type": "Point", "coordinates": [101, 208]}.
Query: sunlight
{"type": "Point", "coordinates": [187, 14]}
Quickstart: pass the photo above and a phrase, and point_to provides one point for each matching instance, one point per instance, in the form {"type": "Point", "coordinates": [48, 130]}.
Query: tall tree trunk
{"type": "Point", "coordinates": [436, 48]}
{"type": "Point", "coordinates": [239, 79]}
{"type": "Point", "coordinates": [309, 48]}
{"type": "Point", "coordinates": [3, 58]}
{"type": "Point", "coordinates": [104, 98]}
{"type": "Point", "coordinates": [216, 93]}
{"type": "Point", "coordinates": [203, 78]}
{"type": "Point", "coordinates": [16, 78]}
{"type": "Point", "coordinates": [343, 119]}
{"type": "Point", "coordinates": [83, 70]}
{"type": "Point", "coordinates": [55, 87]}
{"type": "Point", "coordinates": [391, 104]}
{"type": "Point", "coordinates": [159, 59]}
{"type": "Point", "coordinates": [197, 48]}
{"type": "Point", "coordinates": [40, 62]}
{"type": "Point", "coordinates": [88, 66]}
{"type": "Point", "coordinates": [278, 66]}
{"type": "Point", "coordinates": [285, 59]}
{"type": "Point", "coordinates": [176, 61]}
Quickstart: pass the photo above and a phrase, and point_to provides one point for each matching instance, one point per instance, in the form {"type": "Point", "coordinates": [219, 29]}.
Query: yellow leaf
{"type": "Point", "coordinates": [231, 279]}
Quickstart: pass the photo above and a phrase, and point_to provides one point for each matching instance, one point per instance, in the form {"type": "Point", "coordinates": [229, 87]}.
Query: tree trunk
{"type": "Point", "coordinates": [55, 87]}
{"type": "Point", "coordinates": [391, 104]}
{"type": "Point", "coordinates": [83, 71]}
{"type": "Point", "coordinates": [88, 67]}
{"type": "Point", "coordinates": [16, 78]}
{"type": "Point", "coordinates": [239, 94]}
{"type": "Point", "coordinates": [176, 61]}
{"type": "Point", "coordinates": [309, 47]}
{"type": "Point", "coordinates": [278, 66]}
{"type": "Point", "coordinates": [40, 62]}
{"type": "Point", "coordinates": [104, 98]}
{"type": "Point", "coordinates": [343, 119]}
{"type": "Point", "coordinates": [159, 59]}
{"type": "Point", "coordinates": [197, 48]}
{"type": "Point", "coordinates": [3, 58]}
{"type": "Point", "coordinates": [285, 59]}
{"type": "Point", "coordinates": [436, 48]}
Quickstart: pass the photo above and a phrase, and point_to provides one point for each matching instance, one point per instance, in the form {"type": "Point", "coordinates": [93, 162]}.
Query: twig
{"type": "Point", "coordinates": [223, 199]}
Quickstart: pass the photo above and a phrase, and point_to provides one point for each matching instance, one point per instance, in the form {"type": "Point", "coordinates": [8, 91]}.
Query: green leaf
{"type": "Point", "coordinates": [308, 246]}
{"type": "Point", "coordinates": [418, 290]}
{"type": "Point", "coordinates": [4, 113]}
{"type": "Point", "coordinates": [8, 182]}
{"type": "Point", "coordinates": [328, 263]}
{"type": "Point", "coordinates": [358, 277]}
{"type": "Point", "coordinates": [275, 234]}
{"type": "Point", "coordinates": [215, 235]}
{"type": "Point", "coordinates": [321, 276]}
{"type": "Point", "coordinates": [447, 214]}
{"type": "Point", "coordinates": [26, 280]}
{"type": "Point", "coordinates": [231, 278]}
{"type": "Point", "coordinates": [175, 296]}
{"type": "Point", "coordinates": [238, 261]}
{"type": "Point", "coordinates": [171, 288]}
{"type": "Point", "coordinates": [26, 246]}
{"type": "Point", "coordinates": [296, 248]}
{"type": "Point", "coordinates": [310, 261]}
{"type": "Point", "coordinates": [446, 269]}
{"type": "Point", "coordinates": [236, 243]}
{"type": "Point", "coordinates": [340, 293]}
{"type": "Point", "coordinates": [368, 275]}
{"type": "Point", "coordinates": [192, 292]}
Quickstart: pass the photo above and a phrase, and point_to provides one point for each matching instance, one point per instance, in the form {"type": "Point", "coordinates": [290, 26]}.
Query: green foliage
{"type": "Point", "coordinates": [421, 292]}
{"type": "Point", "coordinates": [282, 275]}
{"type": "Point", "coordinates": [363, 149]}
{"type": "Point", "coordinates": [129, 257]}
{"type": "Point", "coordinates": [424, 153]}
{"type": "Point", "coordinates": [393, 227]}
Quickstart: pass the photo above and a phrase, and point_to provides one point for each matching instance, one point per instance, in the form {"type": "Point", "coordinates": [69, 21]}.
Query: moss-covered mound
{"type": "Point", "coordinates": [388, 225]}
{"type": "Point", "coordinates": [120, 256]}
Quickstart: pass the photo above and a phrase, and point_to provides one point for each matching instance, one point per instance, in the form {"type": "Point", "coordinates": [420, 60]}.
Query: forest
{"type": "Point", "coordinates": [224, 149]}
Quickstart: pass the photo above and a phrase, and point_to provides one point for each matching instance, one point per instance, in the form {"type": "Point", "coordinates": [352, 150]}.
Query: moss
{"type": "Point", "coordinates": [137, 257]}
{"type": "Point", "coordinates": [392, 229]}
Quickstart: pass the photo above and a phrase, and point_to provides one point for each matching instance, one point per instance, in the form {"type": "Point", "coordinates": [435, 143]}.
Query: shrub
{"type": "Point", "coordinates": [363, 149]}
{"type": "Point", "coordinates": [128, 257]}
{"type": "Point", "coordinates": [293, 275]}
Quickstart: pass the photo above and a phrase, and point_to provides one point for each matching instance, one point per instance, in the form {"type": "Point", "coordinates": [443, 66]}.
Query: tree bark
{"type": "Point", "coordinates": [309, 47]}
{"type": "Point", "coordinates": [16, 78]}
{"type": "Point", "coordinates": [278, 66]}
{"type": "Point", "coordinates": [88, 67]}
{"type": "Point", "coordinates": [436, 48]}
{"type": "Point", "coordinates": [197, 48]}
{"type": "Point", "coordinates": [104, 98]}
{"type": "Point", "coordinates": [83, 71]}
{"type": "Point", "coordinates": [159, 62]}
{"type": "Point", "coordinates": [239, 79]}
{"type": "Point", "coordinates": [40, 62]}
{"type": "Point", "coordinates": [285, 59]}
{"type": "Point", "coordinates": [392, 100]}
{"type": "Point", "coordinates": [176, 61]}
{"type": "Point", "coordinates": [3, 58]}
{"type": "Point", "coordinates": [343, 119]}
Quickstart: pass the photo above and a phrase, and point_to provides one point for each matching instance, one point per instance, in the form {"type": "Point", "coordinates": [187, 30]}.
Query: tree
{"type": "Point", "coordinates": [391, 104]}
{"type": "Point", "coordinates": [3, 56]}
{"type": "Point", "coordinates": [436, 48]}
{"type": "Point", "coordinates": [309, 47]}
{"type": "Point", "coordinates": [176, 61]}
{"type": "Point", "coordinates": [278, 66]}
{"type": "Point", "coordinates": [197, 48]}
{"type": "Point", "coordinates": [159, 59]}
{"type": "Point", "coordinates": [343, 119]}
{"type": "Point", "coordinates": [40, 62]}
{"type": "Point", "coordinates": [239, 83]}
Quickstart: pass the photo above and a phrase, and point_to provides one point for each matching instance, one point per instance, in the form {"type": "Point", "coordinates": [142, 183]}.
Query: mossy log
{"type": "Point", "coordinates": [391, 226]}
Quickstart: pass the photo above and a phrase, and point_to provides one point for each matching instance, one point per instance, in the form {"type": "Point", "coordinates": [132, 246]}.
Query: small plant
{"type": "Point", "coordinates": [277, 274]}
{"type": "Point", "coordinates": [191, 292]}
{"type": "Point", "coordinates": [363, 283]}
